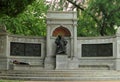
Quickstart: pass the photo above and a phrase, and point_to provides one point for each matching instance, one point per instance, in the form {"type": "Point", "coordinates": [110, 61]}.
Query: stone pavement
{"type": "Point", "coordinates": [72, 81]}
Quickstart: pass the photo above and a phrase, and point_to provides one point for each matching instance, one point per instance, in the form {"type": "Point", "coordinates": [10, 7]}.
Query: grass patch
{"type": "Point", "coordinates": [10, 81]}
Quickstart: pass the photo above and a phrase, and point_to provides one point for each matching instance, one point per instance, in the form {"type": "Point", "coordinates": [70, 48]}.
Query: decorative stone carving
{"type": "Point", "coordinates": [61, 31]}
{"type": "Point", "coordinates": [1, 46]}
{"type": "Point", "coordinates": [118, 31]}
{"type": "Point", "coordinates": [2, 28]}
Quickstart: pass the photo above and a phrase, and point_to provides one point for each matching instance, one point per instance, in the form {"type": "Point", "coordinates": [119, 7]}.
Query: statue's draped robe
{"type": "Point", "coordinates": [61, 45]}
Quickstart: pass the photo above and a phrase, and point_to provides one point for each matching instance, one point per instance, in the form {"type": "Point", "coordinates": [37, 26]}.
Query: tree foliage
{"type": "Point", "coordinates": [98, 18]}
{"type": "Point", "coordinates": [86, 25]}
{"type": "Point", "coordinates": [13, 7]}
{"type": "Point", "coordinates": [30, 22]}
{"type": "Point", "coordinates": [104, 16]}
{"type": "Point", "coordinates": [109, 11]}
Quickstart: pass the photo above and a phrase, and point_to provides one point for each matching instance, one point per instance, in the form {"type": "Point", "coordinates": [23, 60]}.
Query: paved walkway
{"type": "Point", "coordinates": [71, 81]}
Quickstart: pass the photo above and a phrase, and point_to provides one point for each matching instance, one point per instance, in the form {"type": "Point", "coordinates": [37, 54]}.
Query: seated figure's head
{"type": "Point", "coordinates": [59, 36]}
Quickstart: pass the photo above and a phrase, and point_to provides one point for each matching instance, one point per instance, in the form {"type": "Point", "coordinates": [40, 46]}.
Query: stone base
{"type": "Point", "coordinates": [27, 67]}
{"type": "Point", "coordinates": [61, 61]}
{"type": "Point", "coordinates": [73, 63]}
{"type": "Point", "coordinates": [117, 65]}
{"type": "Point", "coordinates": [49, 63]}
{"type": "Point", "coordinates": [4, 64]}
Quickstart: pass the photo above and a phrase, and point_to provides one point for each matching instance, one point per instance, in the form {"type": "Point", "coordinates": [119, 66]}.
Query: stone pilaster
{"type": "Point", "coordinates": [117, 57]}
{"type": "Point", "coordinates": [4, 64]}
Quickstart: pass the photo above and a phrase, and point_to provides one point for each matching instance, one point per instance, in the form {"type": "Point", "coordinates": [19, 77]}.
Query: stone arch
{"type": "Point", "coordinates": [61, 31]}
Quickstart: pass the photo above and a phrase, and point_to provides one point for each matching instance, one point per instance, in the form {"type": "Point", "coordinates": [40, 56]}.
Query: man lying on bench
{"type": "Point", "coordinates": [20, 63]}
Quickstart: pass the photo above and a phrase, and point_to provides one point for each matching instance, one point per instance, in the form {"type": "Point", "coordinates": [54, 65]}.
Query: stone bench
{"type": "Point", "coordinates": [26, 67]}
{"type": "Point", "coordinates": [96, 66]}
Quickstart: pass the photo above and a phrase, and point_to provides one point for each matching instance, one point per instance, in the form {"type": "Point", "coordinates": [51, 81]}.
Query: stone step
{"type": "Point", "coordinates": [63, 75]}
{"type": "Point", "coordinates": [101, 72]}
{"type": "Point", "coordinates": [60, 74]}
{"type": "Point", "coordinates": [56, 71]}
{"type": "Point", "coordinates": [58, 78]}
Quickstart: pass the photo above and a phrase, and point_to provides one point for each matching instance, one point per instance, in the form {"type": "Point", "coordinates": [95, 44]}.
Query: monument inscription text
{"type": "Point", "coordinates": [25, 49]}
{"type": "Point", "coordinates": [97, 50]}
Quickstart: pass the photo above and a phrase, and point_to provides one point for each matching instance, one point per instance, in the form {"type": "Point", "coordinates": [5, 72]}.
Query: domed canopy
{"type": "Point", "coordinates": [61, 31]}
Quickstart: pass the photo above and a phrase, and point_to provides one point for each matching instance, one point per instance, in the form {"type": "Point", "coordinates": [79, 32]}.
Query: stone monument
{"type": "Point", "coordinates": [61, 55]}
{"type": "Point", "coordinates": [65, 24]}
{"type": "Point", "coordinates": [61, 49]}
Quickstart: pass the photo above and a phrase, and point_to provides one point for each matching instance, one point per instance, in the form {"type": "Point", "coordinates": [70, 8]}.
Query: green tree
{"type": "Point", "coordinates": [30, 22]}
{"type": "Point", "coordinates": [13, 7]}
{"type": "Point", "coordinates": [86, 25]}
{"type": "Point", "coordinates": [99, 18]}
{"type": "Point", "coordinates": [107, 15]}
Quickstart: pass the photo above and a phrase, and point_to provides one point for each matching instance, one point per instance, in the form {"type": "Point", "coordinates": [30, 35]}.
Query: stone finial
{"type": "Point", "coordinates": [2, 28]}
{"type": "Point", "coordinates": [118, 31]}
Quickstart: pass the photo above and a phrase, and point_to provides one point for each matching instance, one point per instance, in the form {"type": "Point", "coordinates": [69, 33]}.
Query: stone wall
{"type": "Point", "coordinates": [32, 60]}
{"type": "Point", "coordinates": [108, 61]}
{"type": "Point", "coordinates": [74, 62]}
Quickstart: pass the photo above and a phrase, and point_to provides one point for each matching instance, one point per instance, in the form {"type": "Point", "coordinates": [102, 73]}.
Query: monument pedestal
{"type": "Point", "coordinates": [49, 63]}
{"type": "Point", "coordinates": [61, 61]}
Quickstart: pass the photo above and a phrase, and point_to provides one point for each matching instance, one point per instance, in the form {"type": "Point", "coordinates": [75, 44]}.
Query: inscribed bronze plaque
{"type": "Point", "coordinates": [25, 49]}
{"type": "Point", "coordinates": [97, 50]}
